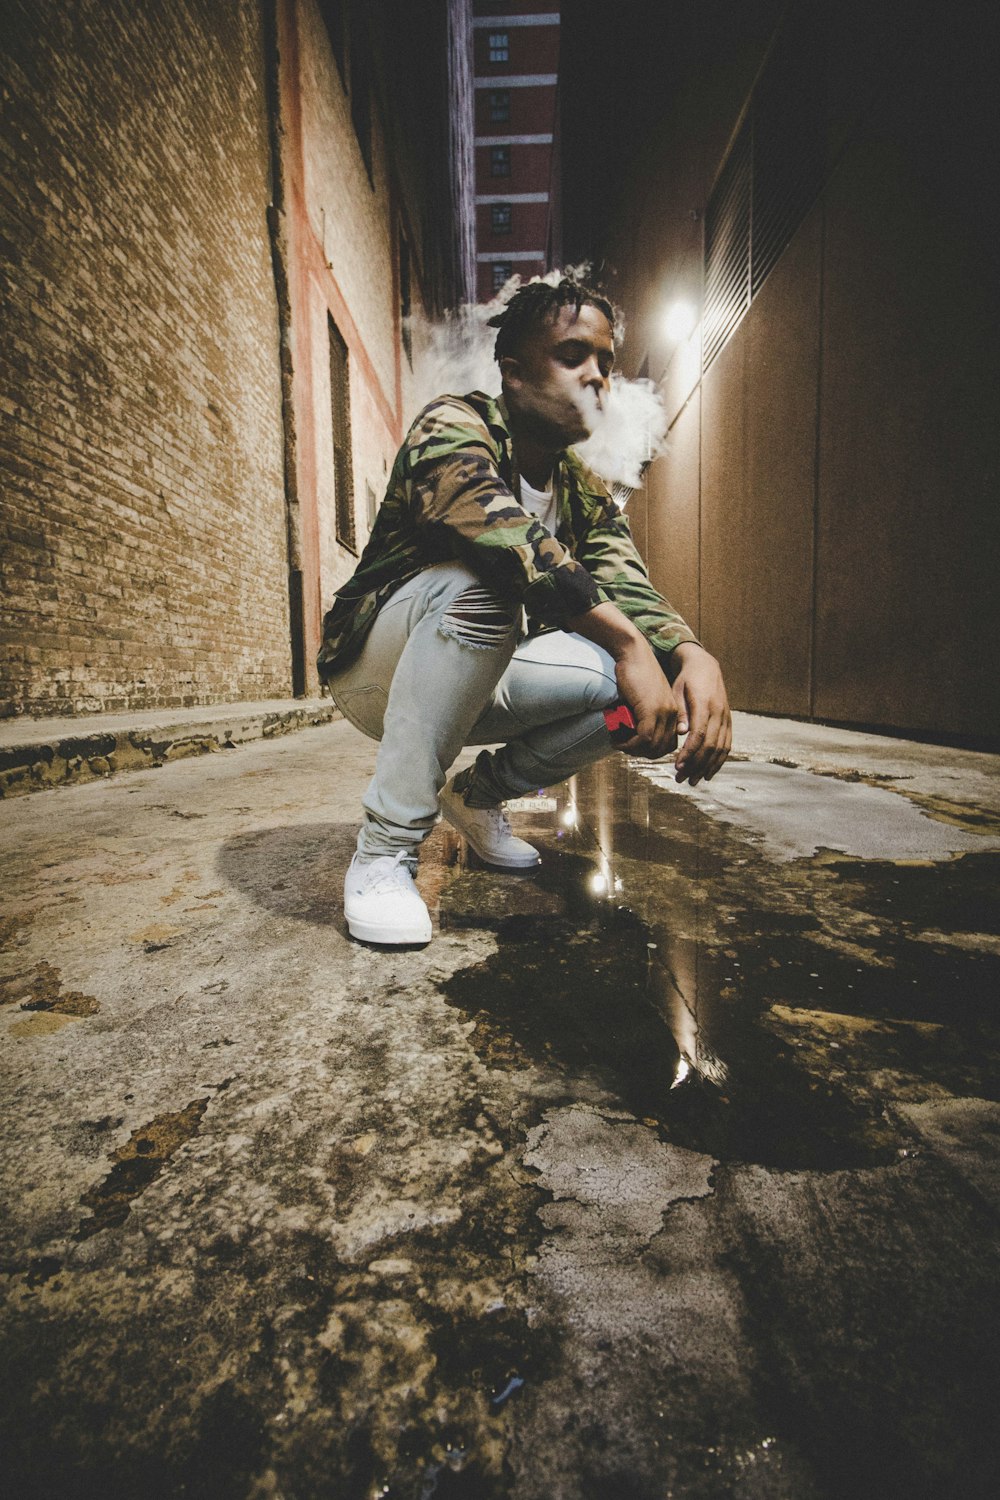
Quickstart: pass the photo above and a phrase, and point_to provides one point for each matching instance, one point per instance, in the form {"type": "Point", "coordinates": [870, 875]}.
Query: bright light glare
{"type": "Point", "coordinates": [598, 884]}
{"type": "Point", "coordinates": [680, 321]}
{"type": "Point", "coordinates": [569, 817]}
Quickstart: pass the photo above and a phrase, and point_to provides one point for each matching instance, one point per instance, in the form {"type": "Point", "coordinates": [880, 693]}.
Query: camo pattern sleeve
{"type": "Point", "coordinates": [450, 497]}
{"type": "Point", "coordinates": [459, 483]}
{"type": "Point", "coordinates": [603, 543]}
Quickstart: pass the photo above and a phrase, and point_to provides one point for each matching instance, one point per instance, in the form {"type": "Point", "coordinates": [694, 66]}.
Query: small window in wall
{"type": "Point", "coordinates": [499, 161]}
{"type": "Point", "coordinates": [502, 218]}
{"type": "Point", "coordinates": [500, 106]}
{"type": "Point", "coordinates": [361, 83]}
{"type": "Point", "coordinates": [340, 401]}
{"type": "Point", "coordinates": [499, 47]}
{"type": "Point", "coordinates": [332, 12]}
{"type": "Point", "coordinates": [503, 270]}
{"type": "Point", "coordinates": [372, 501]}
{"type": "Point", "coordinates": [405, 305]}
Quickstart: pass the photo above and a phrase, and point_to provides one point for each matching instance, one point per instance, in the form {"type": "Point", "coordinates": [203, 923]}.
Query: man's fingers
{"type": "Point", "coordinates": [722, 753]}
{"type": "Point", "coordinates": [655, 735]}
{"type": "Point", "coordinates": [683, 717]}
{"type": "Point", "coordinates": [694, 769]}
{"type": "Point", "coordinates": [698, 764]}
{"type": "Point", "coordinates": [690, 755]}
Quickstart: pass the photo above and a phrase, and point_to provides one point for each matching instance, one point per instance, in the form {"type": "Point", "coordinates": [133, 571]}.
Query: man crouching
{"type": "Point", "coordinates": [488, 512]}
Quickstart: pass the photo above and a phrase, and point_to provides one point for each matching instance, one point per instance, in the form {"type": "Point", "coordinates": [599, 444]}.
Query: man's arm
{"type": "Point", "coordinates": [610, 556]}
{"type": "Point", "coordinates": [703, 712]}
{"type": "Point", "coordinates": [641, 682]}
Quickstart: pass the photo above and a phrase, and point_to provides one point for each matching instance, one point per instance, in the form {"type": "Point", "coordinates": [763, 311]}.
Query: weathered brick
{"type": "Point", "coordinates": [145, 526]}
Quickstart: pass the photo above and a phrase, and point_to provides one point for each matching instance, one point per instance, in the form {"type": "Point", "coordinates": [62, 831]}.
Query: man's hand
{"type": "Point", "coordinates": [642, 685]}
{"type": "Point", "coordinates": [704, 713]}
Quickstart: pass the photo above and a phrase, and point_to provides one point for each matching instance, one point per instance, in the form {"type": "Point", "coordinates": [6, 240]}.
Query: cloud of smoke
{"type": "Point", "coordinates": [628, 434]}
{"type": "Point", "coordinates": [454, 354]}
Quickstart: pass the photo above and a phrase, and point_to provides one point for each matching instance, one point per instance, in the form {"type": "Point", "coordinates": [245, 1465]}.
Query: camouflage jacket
{"type": "Point", "coordinates": [452, 495]}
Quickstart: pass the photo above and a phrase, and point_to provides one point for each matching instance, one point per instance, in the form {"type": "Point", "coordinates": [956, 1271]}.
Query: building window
{"type": "Point", "coordinates": [501, 216]}
{"type": "Point", "coordinates": [499, 161]}
{"type": "Point", "coordinates": [340, 404]}
{"type": "Point", "coordinates": [500, 106]}
{"type": "Point", "coordinates": [499, 47]}
{"type": "Point", "coordinates": [372, 501]}
{"type": "Point", "coordinates": [361, 84]}
{"type": "Point", "coordinates": [503, 270]}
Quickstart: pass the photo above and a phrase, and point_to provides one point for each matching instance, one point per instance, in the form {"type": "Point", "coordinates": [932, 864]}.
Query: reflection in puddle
{"type": "Point", "coordinates": [652, 951]}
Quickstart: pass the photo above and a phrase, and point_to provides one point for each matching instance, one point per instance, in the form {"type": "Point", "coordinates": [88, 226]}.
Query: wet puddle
{"type": "Point", "coordinates": [751, 1010]}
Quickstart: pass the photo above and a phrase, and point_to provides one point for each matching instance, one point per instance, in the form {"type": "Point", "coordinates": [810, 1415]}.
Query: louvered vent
{"type": "Point", "coordinates": [772, 175]}
{"type": "Point", "coordinates": [788, 148]}
{"type": "Point", "coordinates": [727, 249]}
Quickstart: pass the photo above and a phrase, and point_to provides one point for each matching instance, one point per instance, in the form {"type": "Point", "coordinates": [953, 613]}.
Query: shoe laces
{"type": "Point", "coordinates": [381, 877]}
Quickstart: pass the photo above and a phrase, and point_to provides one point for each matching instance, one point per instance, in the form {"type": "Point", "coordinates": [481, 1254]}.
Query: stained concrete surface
{"type": "Point", "coordinates": [670, 1169]}
{"type": "Point", "coordinates": [39, 753]}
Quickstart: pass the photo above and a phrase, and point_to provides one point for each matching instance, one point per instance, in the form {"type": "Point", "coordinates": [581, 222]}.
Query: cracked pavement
{"type": "Point", "coordinates": [669, 1170]}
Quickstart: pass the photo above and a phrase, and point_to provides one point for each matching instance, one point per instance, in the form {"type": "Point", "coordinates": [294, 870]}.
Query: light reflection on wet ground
{"type": "Point", "coordinates": [667, 1168]}
{"type": "Point", "coordinates": [758, 1012]}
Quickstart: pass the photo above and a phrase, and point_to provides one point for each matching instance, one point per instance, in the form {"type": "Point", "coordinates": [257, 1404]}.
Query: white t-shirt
{"type": "Point", "coordinates": [540, 503]}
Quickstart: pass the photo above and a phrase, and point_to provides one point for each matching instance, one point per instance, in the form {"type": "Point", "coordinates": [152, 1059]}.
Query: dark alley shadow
{"type": "Point", "coordinates": [296, 871]}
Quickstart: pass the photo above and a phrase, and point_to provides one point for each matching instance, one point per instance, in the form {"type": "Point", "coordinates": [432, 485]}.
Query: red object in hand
{"type": "Point", "coordinates": [621, 725]}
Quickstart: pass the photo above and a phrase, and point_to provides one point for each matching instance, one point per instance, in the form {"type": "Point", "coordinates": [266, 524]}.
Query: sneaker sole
{"type": "Point", "coordinates": [490, 859]}
{"type": "Point", "coordinates": [390, 937]}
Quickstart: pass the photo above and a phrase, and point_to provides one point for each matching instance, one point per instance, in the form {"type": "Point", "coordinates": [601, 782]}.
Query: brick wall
{"type": "Point", "coordinates": [532, 110]}
{"type": "Point", "coordinates": [530, 169]}
{"type": "Point", "coordinates": [144, 550]}
{"type": "Point", "coordinates": [529, 226]}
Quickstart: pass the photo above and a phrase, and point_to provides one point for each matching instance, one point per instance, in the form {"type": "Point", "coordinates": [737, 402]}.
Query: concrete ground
{"type": "Point", "coordinates": [670, 1170]}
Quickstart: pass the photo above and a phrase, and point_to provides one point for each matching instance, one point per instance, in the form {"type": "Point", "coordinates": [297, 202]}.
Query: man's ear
{"type": "Point", "coordinates": [510, 371]}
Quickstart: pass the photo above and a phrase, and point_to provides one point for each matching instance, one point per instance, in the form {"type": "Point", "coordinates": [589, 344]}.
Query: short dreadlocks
{"type": "Point", "coordinates": [540, 302]}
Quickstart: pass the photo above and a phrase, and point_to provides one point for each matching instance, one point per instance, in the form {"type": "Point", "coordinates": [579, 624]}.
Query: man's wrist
{"type": "Point", "coordinates": [607, 627]}
{"type": "Point", "coordinates": [681, 654]}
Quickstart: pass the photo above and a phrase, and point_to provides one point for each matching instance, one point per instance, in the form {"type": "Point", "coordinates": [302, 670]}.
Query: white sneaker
{"type": "Point", "coordinates": [382, 904]}
{"type": "Point", "coordinates": [489, 833]}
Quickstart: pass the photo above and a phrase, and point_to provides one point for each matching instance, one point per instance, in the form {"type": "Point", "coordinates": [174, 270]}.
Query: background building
{"type": "Point", "coordinates": [218, 215]}
{"type": "Point", "coordinates": [809, 180]}
{"type": "Point", "coordinates": [516, 50]}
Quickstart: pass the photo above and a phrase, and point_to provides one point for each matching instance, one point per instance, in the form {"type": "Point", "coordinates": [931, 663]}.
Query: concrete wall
{"type": "Point", "coordinates": [827, 508]}
{"type": "Point", "coordinates": [144, 554]}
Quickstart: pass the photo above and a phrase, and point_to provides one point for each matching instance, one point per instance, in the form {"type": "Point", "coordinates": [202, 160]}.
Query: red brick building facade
{"type": "Point", "coordinates": [516, 51]}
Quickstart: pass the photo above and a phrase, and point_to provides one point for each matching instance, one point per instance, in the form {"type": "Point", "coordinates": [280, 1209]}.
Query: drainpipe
{"type": "Point", "coordinates": [277, 225]}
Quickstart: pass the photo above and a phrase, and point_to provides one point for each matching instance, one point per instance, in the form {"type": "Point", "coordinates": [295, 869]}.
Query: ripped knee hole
{"type": "Point", "coordinates": [477, 617]}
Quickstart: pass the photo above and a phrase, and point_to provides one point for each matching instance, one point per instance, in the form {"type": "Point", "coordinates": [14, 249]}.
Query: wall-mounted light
{"type": "Point", "coordinates": [679, 321]}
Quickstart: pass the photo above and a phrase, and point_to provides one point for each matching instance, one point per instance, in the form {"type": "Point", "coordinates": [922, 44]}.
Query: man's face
{"type": "Point", "coordinates": [559, 379]}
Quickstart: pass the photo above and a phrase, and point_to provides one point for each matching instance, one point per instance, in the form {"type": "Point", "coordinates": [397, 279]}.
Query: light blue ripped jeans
{"type": "Point", "coordinates": [441, 668]}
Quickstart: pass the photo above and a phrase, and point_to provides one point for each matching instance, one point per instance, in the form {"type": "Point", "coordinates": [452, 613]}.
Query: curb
{"type": "Point", "coordinates": [67, 759]}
